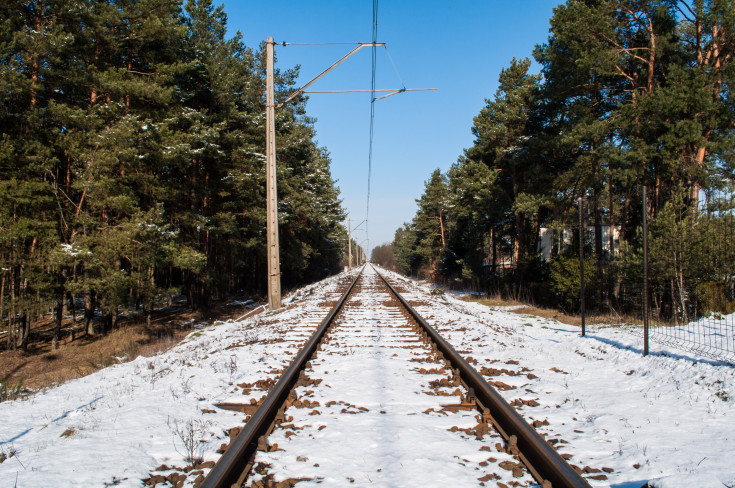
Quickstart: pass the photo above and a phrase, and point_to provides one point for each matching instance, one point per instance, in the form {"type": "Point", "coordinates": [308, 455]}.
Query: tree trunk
{"type": "Point", "coordinates": [106, 322]}
{"type": "Point", "coordinates": [93, 94]}
{"type": "Point", "coordinates": [682, 294]}
{"type": "Point", "coordinates": [149, 305]}
{"type": "Point", "coordinates": [624, 219]}
{"type": "Point", "coordinates": [611, 288]}
{"type": "Point", "coordinates": [674, 314]}
{"type": "Point", "coordinates": [2, 302]}
{"type": "Point", "coordinates": [537, 232]}
{"type": "Point", "coordinates": [611, 219]}
{"type": "Point", "coordinates": [35, 57]}
{"type": "Point", "coordinates": [127, 93]}
{"type": "Point", "coordinates": [597, 203]}
{"type": "Point", "coordinates": [60, 292]}
{"type": "Point", "coordinates": [441, 226]}
{"type": "Point", "coordinates": [25, 323]}
{"type": "Point", "coordinates": [518, 239]}
{"type": "Point", "coordinates": [90, 306]}
{"type": "Point", "coordinates": [71, 306]}
{"type": "Point", "coordinates": [24, 328]}
{"type": "Point", "coordinates": [598, 229]}
{"type": "Point", "coordinates": [494, 246]}
{"type": "Point", "coordinates": [11, 315]}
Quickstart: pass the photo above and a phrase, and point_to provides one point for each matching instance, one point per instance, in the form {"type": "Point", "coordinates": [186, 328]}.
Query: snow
{"type": "Point", "coordinates": [670, 413]}
{"type": "Point", "coordinates": [373, 418]}
{"type": "Point", "coordinates": [667, 419]}
{"type": "Point", "coordinates": [71, 250]}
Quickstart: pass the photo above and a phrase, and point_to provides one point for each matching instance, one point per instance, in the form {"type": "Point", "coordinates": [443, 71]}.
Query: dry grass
{"type": "Point", "coordinates": [44, 367]}
{"type": "Point", "coordinates": [491, 301]}
{"type": "Point", "coordinates": [548, 313]}
{"type": "Point", "coordinates": [41, 366]}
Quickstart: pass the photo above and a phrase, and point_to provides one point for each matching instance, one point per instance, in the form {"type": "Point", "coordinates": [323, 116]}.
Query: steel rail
{"type": "Point", "coordinates": [229, 468]}
{"type": "Point", "coordinates": [547, 466]}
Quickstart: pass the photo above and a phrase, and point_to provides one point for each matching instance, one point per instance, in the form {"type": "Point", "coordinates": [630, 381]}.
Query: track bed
{"type": "Point", "coordinates": [378, 408]}
{"type": "Point", "coordinates": [377, 398]}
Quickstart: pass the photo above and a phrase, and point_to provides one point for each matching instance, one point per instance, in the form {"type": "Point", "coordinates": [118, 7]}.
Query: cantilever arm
{"type": "Point", "coordinates": [394, 91]}
{"type": "Point", "coordinates": [344, 58]}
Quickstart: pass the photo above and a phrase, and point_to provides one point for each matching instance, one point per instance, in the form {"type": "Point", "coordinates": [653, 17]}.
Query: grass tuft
{"type": "Point", "coordinates": [12, 392]}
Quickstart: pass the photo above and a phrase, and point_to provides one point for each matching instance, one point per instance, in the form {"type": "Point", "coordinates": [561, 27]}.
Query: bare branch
{"type": "Point", "coordinates": [684, 14]}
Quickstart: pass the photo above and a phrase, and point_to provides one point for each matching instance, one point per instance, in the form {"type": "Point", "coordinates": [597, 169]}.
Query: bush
{"type": "Point", "coordinates": [712, 297]}
{"type": "Point", "coordinates": [565, 280]}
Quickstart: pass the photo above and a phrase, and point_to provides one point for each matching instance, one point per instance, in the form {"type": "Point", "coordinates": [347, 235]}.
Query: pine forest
{"type": "Point", "coordinates": [132, 166]}
{"type": "Point", "coordinates": [631, 94]}
{"type": "Point", "coordinates": [132, 163]}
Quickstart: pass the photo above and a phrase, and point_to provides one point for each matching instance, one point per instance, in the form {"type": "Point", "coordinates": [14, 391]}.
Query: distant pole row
{"type": "Point", "coordinates": [349, 244]}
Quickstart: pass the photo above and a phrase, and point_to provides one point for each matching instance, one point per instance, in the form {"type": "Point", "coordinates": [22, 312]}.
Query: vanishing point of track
{"type": "Point", "coordinates": [349, 374]}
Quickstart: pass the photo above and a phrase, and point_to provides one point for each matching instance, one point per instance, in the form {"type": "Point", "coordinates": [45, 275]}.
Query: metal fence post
{"type": "Point", "coordinates": [645, 274]}
{"type": "Point", "coordinates": [581, 263]}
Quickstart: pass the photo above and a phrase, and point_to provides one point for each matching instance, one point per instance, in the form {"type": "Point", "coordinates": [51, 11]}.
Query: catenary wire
{"type": "Point", "coordinates": [372, 116]}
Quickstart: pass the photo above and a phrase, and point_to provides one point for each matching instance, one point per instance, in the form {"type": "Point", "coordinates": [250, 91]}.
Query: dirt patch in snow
{"type": "Point", "coordinates": [41, 366]}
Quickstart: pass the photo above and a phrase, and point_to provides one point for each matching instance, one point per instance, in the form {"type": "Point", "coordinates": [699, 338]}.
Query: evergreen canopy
{"type": "Point", "coordinates": [131, 160]}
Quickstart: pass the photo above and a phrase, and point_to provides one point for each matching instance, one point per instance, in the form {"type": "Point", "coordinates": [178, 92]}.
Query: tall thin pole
{"type": "Point", "coordinates": [645, 273]}
{"type": "Point", "coordinates": [349, 243]}
{"type": "Point", "coordinates": [274, 268]}
{"type": "Point", "coordinates": [581, 263]}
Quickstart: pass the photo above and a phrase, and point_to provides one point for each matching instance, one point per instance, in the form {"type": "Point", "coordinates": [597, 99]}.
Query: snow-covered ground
{"type": "Point", "coordinates": [667, 419]}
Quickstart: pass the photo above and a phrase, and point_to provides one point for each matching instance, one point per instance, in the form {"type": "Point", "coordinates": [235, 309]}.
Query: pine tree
{"type": "Point", "coordinates": [502, 133]}
{"type": "Point", "coordinates": [35, 46]}
{"type": "Point", "coordinates": [473, 222]}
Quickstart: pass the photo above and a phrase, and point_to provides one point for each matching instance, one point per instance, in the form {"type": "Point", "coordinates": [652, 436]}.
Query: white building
{"type": "Point", "coordinates": [550, 239]}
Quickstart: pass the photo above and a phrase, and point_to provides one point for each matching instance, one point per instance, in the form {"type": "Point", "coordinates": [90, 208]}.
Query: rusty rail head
{"type": "Point", "coordinates": [229, 467]}
{"type": "Point", "coordinates": [543, 459]}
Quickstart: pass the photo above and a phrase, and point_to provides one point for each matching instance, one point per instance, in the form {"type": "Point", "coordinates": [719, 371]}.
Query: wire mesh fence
{"type": "Point", "coordinates": [688, 301]}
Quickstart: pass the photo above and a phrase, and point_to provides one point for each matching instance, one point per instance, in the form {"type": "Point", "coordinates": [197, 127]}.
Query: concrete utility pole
{"type": "Point", "coordinates": [274, 266]}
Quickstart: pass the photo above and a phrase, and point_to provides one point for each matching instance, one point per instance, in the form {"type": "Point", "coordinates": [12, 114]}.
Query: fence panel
{"type": "Point", "coordinates": [691, 270]}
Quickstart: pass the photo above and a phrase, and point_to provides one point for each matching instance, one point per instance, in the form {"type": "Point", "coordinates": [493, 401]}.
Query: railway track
{"type": "Point", "coordinates": [377, 397]}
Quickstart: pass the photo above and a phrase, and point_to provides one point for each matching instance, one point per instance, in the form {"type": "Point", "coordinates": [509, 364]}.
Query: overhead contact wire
{"type": "Point", "coordinates": [372, 116]}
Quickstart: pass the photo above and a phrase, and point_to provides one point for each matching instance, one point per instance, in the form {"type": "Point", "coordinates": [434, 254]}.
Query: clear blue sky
{"type": "Point", "coordinates": [458, 47]}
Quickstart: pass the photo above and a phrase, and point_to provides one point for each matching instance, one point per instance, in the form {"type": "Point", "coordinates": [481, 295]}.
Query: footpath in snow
{"type": "Point", "coordinates": [667, 419]}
